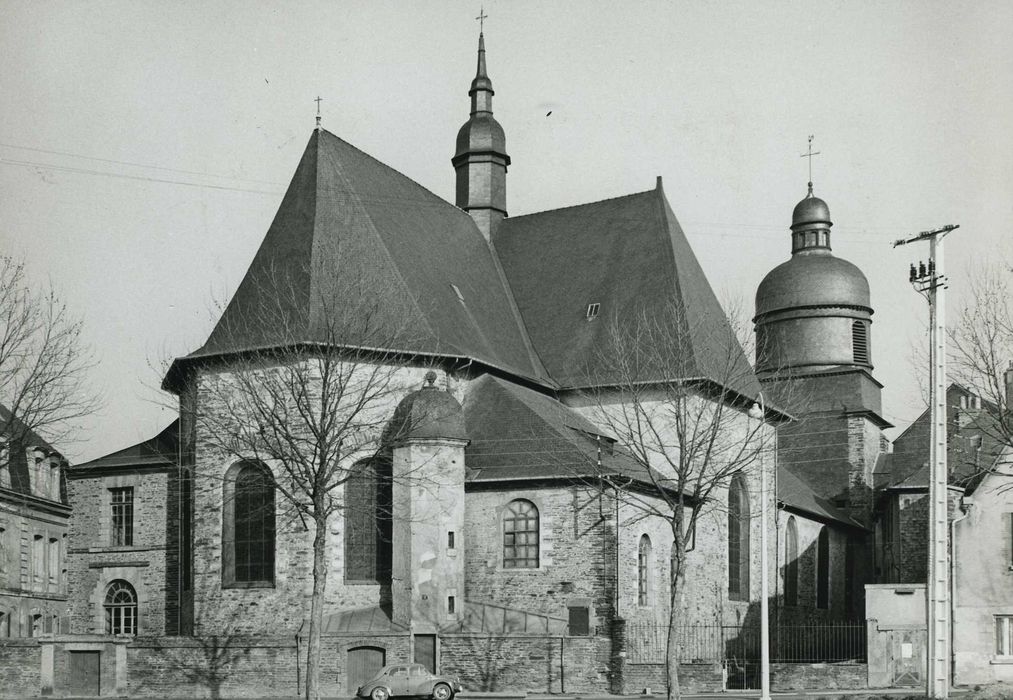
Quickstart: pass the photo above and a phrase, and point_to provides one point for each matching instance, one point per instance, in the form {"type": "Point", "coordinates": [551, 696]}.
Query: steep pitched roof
{"type": "Point", "coordinates": [355, 238]}
{"type": "Point", "coordinates": [162, 449]}
{"type": "Point", "coordinates": [518, 433]}
{"type": "Point", "coordinates": [973, 445]}
{"type": "Point", "coordinates": [630, 256]}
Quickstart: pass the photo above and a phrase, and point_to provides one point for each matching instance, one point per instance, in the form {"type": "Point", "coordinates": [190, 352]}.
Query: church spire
{"type": "Point", "coordinates": [481, 159]}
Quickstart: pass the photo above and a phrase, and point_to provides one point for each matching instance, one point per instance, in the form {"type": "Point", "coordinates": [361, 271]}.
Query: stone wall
{"type": "Point", "coordinates": [842, 676]}
{"type": "Point", "coordinates": [19, 668]}
{"type": "Point", "coordinates": [534, 664]}
{"type": "Point", "coordinates": [94, 562]}
{"type": "Point", "coordinates": [693, 678]}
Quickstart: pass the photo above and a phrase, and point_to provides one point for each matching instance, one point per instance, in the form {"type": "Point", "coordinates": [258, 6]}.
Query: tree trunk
{"type": "Point", "coordinates": [674, 609]}
{"type": "Point", "coordinates": [316, 609]}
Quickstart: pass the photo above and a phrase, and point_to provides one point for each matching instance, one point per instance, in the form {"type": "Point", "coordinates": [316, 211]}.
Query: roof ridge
{"type": "Point", "coordinates": [394, 170]}
{"type": "Point", "coordinates": [584, 204]}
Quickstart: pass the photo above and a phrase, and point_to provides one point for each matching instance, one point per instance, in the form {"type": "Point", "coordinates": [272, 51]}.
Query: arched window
{"type": "Point", "coordinates": [248, 524]}
{"type": "Point", "coordinates": [520, 535]}
{"type": "Point", "coordinates": [186, 529]}
{"type": "Point", "coordinates": [791, 563]}
{"type": "Point", "coordinates": [121, 608]}
{"type": "Point", "coordinates": [860, 342]}
{"type": "Point", "coordinates": [644, 577]}
{"type": "Point", "coordinates": [823, 569]}
{"type": "Point", "coordinates": [368, 522]}
{"type": "Point", "coordinates": [738, 539]}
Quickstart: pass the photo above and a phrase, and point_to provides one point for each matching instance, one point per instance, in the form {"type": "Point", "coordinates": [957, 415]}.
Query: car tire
{"type": "Point", "coordinates": [379, 693]}
{"type": "Point", "coordinates": [441, 691]}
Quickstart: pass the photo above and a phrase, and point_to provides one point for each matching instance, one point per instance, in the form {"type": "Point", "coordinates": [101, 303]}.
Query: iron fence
{"type": "Point", "coordinates": [810, 643]}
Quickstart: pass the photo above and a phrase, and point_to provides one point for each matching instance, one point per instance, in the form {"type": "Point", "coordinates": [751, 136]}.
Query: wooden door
{"type": "Point", "coordinates": [425, 651]}
{"type": "Point", "coordinates": [85, 676]}
{"type": "Point", "coordinates": [363, 664]}
{"type": "Point", "coordinates": [907, 657]}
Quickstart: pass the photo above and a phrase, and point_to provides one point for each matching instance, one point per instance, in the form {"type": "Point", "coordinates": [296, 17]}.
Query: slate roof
{"type": "Point", "coordinates": [518, 433]}
{"type": "Point", "coordinates": [792, 491]}
{"type": "Point", "coordinates": [162, 449]}
{"type": "Point", "coordinates": [972, 446]}
{"type": "Point", "coordinates": [630, 255]}
{"type": "Point", "coordinates": [351, 229]}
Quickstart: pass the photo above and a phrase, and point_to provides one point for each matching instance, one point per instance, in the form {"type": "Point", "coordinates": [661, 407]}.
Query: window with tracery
{"type": "Point", "coordinates": [120, 608]}
{"type": "Point", "coordinates": [248, 537]}
{"type": "Point", "coordinates": [644, 556]}
{"type": "Point", "coordinates": [520, 535]}
{"type": "Point", "coordinates": [368, 528]}
{"type": "Point", "coordinates": [738, 539]}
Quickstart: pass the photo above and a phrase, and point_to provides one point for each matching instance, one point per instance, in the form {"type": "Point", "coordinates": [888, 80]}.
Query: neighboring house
{"type": "Point", "coordinates": [123, 548]}
{"type": "Point", "coordinates": [980, 461]}
{"type": "Point", "coordinates": [33, 535]}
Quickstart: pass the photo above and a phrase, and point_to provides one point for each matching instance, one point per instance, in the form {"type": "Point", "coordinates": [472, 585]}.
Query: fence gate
{"type": "Point", "coordinates": [85, 674]}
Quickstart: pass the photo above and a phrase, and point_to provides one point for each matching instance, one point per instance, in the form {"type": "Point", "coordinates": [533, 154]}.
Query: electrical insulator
{"type": "Point", "coordinates": [913, 274]}
{"type": "Point", "coordinates": [921, 270]}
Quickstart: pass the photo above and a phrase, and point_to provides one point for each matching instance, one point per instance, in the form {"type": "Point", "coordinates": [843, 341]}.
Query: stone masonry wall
{"type": "Point", "coordinates": [94, 562]}
{"type": "Point", "coordinates": [527, 664]}
{"type": "Point", "coordinates": [19, 668]}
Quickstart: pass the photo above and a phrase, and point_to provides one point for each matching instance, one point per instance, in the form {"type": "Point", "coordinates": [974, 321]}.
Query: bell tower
{"type": "Point", "coordinates": [481, 159]}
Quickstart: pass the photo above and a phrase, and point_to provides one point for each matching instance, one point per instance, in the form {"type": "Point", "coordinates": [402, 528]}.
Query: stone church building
{"type": "Point", "coordinates": [507, 557]}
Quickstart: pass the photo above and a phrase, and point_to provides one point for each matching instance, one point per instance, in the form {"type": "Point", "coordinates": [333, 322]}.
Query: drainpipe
{"type": "Point", "coordinates": [965, 507]}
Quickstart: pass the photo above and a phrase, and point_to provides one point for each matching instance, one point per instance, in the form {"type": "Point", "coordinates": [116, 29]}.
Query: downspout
{"type": "Point", "coordinates": [965, 506]}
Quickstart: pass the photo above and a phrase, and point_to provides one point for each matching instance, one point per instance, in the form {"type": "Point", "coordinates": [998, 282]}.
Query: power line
{"type": "Point", "coordinates": [136, 165]}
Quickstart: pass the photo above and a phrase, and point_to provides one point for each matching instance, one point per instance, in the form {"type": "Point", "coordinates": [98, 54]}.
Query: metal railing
{"type": "Point", "coordinates": [810, 643]}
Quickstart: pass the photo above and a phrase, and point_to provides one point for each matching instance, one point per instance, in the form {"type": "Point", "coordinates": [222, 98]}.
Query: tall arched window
{"type": "Point", "coordinates": [738, 539]}
{"type": "Point", "coordinates": [520, 535]}
{"type": "Point", "coordinates": [644, 573]}
{"type": "Point", "coordinates": [121, 608]}
{"type": "Point", "coordinates": [368, 522]}
{"type": "Point", "coordinates": [791, 563]}
{"type": "Point", "coordinates": [823, 569]}
{"type": "Point", "coordinates": [248, 523]}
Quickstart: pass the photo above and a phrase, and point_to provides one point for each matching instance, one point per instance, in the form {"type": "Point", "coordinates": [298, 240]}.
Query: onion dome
{"type": "Point", "coordinates": [429, 414]}
{"type": "Point", "coordinates": [811, 210]}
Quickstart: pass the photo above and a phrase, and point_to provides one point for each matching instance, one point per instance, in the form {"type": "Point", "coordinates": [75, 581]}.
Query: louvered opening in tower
{"type": "Point", "coordinates": [860, 342]}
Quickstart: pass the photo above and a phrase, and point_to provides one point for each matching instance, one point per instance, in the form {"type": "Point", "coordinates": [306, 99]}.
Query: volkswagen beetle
{"type": "Point", "coordinates": [401, 680]}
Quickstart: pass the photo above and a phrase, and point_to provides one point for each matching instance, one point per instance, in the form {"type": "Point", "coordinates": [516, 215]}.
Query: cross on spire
{"type": "Point", "coordinates": [481, 20]}
{"type": "Point", "coordinates": [809, 154]}
{"type": "Point", "coordinates": [318, 101]}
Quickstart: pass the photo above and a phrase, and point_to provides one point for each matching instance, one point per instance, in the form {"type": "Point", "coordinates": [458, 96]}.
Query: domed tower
{"type": "Point", "coordinates": [481, 159]}
{"type": "Point", "coordinates": [812, 312]}
{"type": "Point", "coordinates": [813, 357]}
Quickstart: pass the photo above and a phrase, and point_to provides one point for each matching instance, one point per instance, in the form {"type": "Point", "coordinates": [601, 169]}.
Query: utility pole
{"type": "Point", "coordinates": [931, 283]}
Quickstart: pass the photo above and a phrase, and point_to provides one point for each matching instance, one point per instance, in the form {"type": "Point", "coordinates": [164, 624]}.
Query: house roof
{"type": "Point", "coordinates": [518, 433]}
{"type": "Point", "coordinates": [793, 492]}
{"type": "Point", "coordinates": [973, 444]}
{"type": "Point", "coordinates": [160, 449]}
{"type": "Point", "coordinates": [630, 256]}
{"type": "Point", "coordinates": [360, 255]}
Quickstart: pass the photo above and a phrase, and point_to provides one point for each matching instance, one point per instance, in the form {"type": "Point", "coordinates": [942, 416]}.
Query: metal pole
{"type": "Point", "coordinates": [757, 412]}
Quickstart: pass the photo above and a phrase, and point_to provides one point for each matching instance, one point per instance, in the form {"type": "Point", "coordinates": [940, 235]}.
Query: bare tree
{"type": "Point", "coordinates": [981, 354]}
{"type": "Point", "coordinates": [676, 399]}
{"type": "Point", "coordinates": [306, 384]}
{"type": "Point", "coordinates": [44, 362]}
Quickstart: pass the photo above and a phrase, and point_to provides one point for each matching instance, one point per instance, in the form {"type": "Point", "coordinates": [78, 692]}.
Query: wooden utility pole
{"type": "Point", "coordinates": [931, 283]}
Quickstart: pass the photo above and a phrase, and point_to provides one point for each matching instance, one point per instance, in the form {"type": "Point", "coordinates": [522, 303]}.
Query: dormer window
{"type": "Point", "coordinates": [592, 311]}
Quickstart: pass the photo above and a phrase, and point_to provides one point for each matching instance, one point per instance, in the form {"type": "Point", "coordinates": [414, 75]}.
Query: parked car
{"type": "Point", "coordinates": [401, 680]}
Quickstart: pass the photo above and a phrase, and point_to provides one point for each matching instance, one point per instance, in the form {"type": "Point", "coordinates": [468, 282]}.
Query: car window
{"type": "Point", "coordinates": [417, 670]}
{"type": "Point", "coordinates": [399, 671]}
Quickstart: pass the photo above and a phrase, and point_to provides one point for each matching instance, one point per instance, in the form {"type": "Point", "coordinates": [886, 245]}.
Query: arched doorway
{"type": "Point", "coordinates": [362, 664]}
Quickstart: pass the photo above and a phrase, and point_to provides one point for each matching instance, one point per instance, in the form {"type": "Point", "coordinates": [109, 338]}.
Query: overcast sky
{"type": "Point", "coordinates": [145, 146]}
